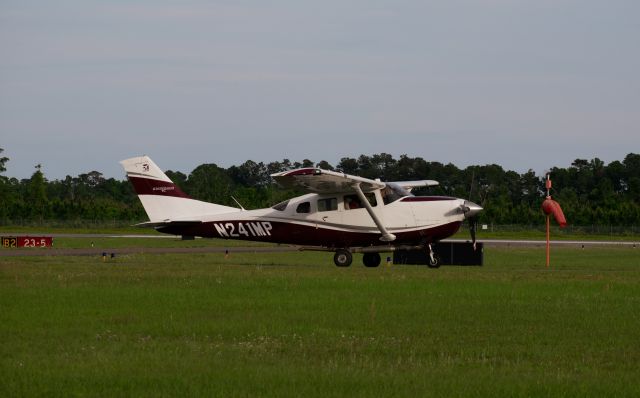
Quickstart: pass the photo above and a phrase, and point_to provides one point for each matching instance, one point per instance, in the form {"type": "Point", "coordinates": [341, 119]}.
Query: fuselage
{"type": "Point", "coordinates": [336, 221]}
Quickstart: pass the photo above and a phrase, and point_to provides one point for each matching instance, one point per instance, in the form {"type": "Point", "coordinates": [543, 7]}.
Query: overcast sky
{"type": "Point", "coordinates": [524, 84]}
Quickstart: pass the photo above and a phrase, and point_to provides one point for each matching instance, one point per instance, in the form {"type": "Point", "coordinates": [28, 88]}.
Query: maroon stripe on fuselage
{"type": "Point", "coordinates": [427, 198]}
{"type": "Point", "coordinates": [148, 186]}
{"type": "Point", "coordinates": [307, 235]}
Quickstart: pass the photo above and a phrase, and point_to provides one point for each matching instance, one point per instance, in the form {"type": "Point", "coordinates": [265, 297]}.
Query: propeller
{"type": "Point", "coordinates": [473, 227]}
{"type": "Point", "coordinates": [471, 211]}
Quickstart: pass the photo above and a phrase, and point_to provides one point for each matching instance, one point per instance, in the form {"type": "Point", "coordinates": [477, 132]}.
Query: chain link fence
{"type": "Point", "coordinates": [604, 230]}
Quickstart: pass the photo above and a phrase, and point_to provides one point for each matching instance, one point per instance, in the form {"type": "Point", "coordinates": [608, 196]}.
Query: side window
{"type": "Point", "coordinates": [353, 201]}
{"type": "Point", "coordinates": [371, 197]}
{"type": "Point", "coordinates": [328, 204]}
{"type": "Point", "coordinates": [304, 207]}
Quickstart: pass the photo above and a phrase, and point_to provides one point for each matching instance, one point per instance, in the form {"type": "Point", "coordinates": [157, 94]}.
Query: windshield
{"type": "Point", "coordinates": [281, 206]}
{"type": "Point", "coordinates": [393, 192]}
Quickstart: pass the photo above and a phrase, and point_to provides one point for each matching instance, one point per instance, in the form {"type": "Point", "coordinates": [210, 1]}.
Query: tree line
{"type": "Point", "coordinates": [590, 191]}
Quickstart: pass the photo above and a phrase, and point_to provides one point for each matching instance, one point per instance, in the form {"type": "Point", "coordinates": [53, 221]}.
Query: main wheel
{"type": "Point", "coordinates": [343, 258]}
{"type": "Point", "coordinates": [371, 259]}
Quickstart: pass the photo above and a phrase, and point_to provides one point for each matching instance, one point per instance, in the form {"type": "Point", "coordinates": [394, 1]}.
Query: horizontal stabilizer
{"type": "Point", "coordinates": [158, 224]}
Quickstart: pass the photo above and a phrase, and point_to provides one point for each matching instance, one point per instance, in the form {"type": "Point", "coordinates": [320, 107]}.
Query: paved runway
{"type": "Point", "coordinates": [23, 252]}
{"type": "Point", "coordinates": [255, 249]}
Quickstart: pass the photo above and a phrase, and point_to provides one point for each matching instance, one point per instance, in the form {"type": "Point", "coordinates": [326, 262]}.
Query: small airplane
{"type": "Point", "coordinates": [341, 213]}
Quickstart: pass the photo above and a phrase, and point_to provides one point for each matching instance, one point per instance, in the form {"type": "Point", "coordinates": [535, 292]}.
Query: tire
{"type": "Point", "coordinates": [435, 263]}
{"type": "Point", "coordinates": [371, 259]}
{"type": "Point", "coordinates": [343, 258]}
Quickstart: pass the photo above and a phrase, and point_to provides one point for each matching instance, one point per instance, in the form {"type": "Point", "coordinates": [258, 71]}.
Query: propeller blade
{"type": "Point", "coordinates": [473, 226]}
{"type": "Point", "coordinates": [472, 229]}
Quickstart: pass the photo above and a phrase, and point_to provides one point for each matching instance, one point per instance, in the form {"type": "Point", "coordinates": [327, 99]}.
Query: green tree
{"type": "Point", "coordinates": [590, 191]}
{"type": "Point", "coordinates": [383, 166]}
{"type": "Point", "coordinates": [348, 166]}
{"type": "Point", "coordinates": [249, 174]}
{"type": "Point", "coordinates": [323, 164]}
{"type": "Point", "coordinates": [3, 161]}
{"type": "Point", "coordinates": [210, 183]}
{"type": "Point", "coordinates": [632, 165]}
{"type": "Point", "coordinates": [37, 200]}
{"type": "Point", "coordinates": [180, 179]}
{"type": "Point", "coordinates": [4, 188]}
{"type": "Point", "coordinates": [615, 172]}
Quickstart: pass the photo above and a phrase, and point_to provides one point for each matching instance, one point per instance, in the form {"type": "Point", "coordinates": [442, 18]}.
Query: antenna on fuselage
{"type": "Point", "coordinates": [238, 203]}
{"type": "Point", "coordinates": [473, 176]}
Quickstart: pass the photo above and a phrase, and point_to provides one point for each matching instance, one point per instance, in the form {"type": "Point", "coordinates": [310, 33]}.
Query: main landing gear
{"type": "Point", "coordinates": [371, 259]}
{"type": "Point", "coordinates": [344, 258]}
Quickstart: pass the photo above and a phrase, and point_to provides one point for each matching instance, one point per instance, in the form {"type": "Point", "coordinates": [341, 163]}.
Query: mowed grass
{"type": "Point", "coordinates": [293, 324]}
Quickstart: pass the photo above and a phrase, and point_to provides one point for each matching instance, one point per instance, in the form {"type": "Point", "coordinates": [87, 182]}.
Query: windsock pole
{"type": "Point", "coordinates": [548, 185]}
{"type": "Point", "coordinates": [548, 246]}
{"type": "Point", "coordinates": [550, 206]}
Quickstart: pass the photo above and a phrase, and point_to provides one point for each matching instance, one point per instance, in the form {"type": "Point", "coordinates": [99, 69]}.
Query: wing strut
{"type": "Point", "coordinates": [386, 236]}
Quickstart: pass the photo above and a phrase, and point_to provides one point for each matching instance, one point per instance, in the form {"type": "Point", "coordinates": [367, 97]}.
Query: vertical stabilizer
{"type": "Point", "coordinates": [161, 198]}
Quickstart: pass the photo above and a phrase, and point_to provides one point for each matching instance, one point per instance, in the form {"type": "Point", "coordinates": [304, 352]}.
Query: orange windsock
{"type": "Point", "coordinates": [550, 206]}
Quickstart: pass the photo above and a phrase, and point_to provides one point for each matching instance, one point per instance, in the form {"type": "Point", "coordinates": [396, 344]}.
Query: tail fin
{"type": "Point", "coordinates": [162, 199]}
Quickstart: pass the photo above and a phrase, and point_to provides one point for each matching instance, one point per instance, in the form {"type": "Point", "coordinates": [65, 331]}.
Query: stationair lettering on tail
{"type": "Point", "coordinates": [340, 213]}
{"type": "Point", "coordinates": [163, 189]}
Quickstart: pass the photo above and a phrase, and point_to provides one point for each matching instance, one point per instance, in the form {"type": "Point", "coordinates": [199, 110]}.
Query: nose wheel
{"type": "Point", "coordinates": [434, 260]}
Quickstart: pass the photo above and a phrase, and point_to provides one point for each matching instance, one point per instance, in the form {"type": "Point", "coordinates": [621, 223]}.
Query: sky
{"type": "Point", "coordinates": [523, 84]}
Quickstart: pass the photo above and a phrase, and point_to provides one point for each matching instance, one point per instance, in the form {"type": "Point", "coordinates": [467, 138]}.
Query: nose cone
{"type": "Point", "coordinates": [470, 209]}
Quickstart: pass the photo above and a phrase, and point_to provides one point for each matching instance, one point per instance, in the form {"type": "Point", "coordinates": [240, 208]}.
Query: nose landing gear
{"type": "Point", "coordinates": [434, 260]}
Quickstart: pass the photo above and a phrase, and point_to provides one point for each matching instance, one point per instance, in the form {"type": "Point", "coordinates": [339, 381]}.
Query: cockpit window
{"type": "Point", "coordinates": [393, 192]}
{"type": "Point", "coordinates": [281, 206]}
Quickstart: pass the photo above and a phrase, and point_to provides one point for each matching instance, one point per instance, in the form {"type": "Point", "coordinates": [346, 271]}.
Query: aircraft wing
{"type": "Point", "coordinates": [324, 181]}
{"type": "Point", "coordinates": [409, 185]}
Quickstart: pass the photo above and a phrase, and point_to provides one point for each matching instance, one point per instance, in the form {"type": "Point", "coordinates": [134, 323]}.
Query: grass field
{"type": "Point", "coordinates": [295, 325]}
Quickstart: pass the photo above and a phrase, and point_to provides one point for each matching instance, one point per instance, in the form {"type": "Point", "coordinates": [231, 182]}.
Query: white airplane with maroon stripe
{"type": "Point", "coordinates": [341, 213]}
